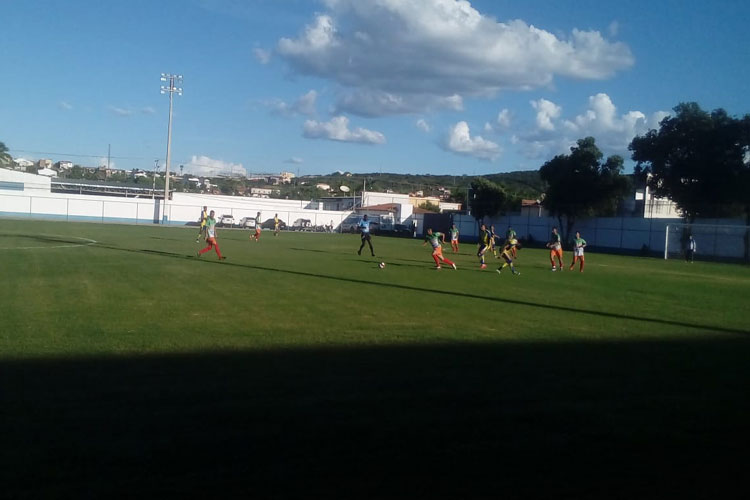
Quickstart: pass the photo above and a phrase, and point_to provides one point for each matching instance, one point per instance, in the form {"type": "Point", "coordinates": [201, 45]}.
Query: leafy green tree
{"type": "Point", "coordinates": [486, 199]}
{"type": "Point", "coordinates": [5, 158]}
{"type": "Point", "coordinates": [701, 161]}
{"type": "Point", "coordinates": [580, 185]}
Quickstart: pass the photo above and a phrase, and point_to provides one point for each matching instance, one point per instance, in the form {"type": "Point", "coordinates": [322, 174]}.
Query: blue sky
{"type": "Point", "coordinates": [417, 86]}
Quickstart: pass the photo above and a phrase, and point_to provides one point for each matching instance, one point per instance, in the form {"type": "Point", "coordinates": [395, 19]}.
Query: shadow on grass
{"type": "Point", "coordinates": [588, 420]}
{"type": "Point", "coordinates": [503, 300]}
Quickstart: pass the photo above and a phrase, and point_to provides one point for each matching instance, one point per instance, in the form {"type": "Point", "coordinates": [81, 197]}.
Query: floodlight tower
{"type": "Point", "coordinates": [171, 89]}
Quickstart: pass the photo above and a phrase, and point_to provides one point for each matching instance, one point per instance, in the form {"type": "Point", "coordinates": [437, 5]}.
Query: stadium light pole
{"type": "Point", "coordinates": [171, 89]}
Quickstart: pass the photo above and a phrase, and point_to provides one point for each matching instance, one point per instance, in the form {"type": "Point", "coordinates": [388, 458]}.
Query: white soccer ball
{"type": "Point", "coordinates": [381, 265]}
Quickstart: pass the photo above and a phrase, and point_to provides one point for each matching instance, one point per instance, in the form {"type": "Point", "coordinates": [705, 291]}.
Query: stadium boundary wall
{"type": "Point", "coordinates": [624, 234]}
{"type": "Point", "coordinates": [180, 211]}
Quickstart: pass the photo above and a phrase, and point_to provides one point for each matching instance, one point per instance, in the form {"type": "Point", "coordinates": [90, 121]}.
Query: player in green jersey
{"type": "Point", "coordinates": [578, 245]}
{"type": "Point", "coordinates": [436, 240]}
{"type": "Point", "coordinates": [454, 238]}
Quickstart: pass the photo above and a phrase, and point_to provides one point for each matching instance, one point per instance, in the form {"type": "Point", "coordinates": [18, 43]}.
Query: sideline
{"type": "Point", "coordinates": [88, 241]}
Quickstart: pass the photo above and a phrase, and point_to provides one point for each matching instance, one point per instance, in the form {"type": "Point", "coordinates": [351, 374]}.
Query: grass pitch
{"type": "Point", "coordinates": [297, 367]}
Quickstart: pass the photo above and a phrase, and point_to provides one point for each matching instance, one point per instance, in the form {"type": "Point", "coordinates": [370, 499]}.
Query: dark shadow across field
{"type": "Point", "coordinates": [575, 421]}
{"type": "Point", "coordinates": [503, 300]}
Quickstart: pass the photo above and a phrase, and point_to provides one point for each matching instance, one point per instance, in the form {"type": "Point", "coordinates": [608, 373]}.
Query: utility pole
{"type": "Point", "coordinates": [153, 185]}
{"type": "Point", "coordinates": [171, 89]}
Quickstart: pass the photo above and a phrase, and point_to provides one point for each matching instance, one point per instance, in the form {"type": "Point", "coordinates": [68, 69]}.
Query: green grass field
{"type": "Point", "coordinates": [298, 368]}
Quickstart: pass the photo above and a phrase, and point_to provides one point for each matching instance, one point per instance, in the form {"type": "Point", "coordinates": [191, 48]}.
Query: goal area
{"type": "Point", "coordinates": [712, 241]}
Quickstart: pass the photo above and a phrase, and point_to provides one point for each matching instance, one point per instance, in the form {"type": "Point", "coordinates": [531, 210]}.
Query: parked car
{"type": "Point", "coordinates": [268, 224]}
{"type": "Point", "coordinates": [226, 220]}
{"type": "Point", "coordinates": [247, 222]}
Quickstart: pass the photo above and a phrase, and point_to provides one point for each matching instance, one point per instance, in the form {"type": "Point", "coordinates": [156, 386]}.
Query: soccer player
{"type": "Point", "coordinates": [436, 239]}
{"type": "Point", "coordinates": [211, 237]}
{"type": "Point", "coordinates": [484, 244]}
{"type": "Point", "coordinates": [276, 225]}
{"type": "Point", "coordinates": [510, 234]}
{"type": "Point", "coordinates": [492, 241]}
{"type": "Point", "coordinates": [555, 249]}
{"type": "Point", "coordinates": [202, 220]}
{"type": "Point", "coordinates": [364, 228]}
{"type": "Point", "coordinates": [578, 245]}
{"type": "Point", "coordinates": [256, 235]}
{"type": "Point", "coordinates": [507, 255]}
{"type": "Point", "coordinates": [454, 238]}
{"type": "Point", "coordinates": [690, 251]}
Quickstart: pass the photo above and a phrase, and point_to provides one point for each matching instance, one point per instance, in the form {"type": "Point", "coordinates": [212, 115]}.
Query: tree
{"type": "Point", "coordinates": [5, 158]}
{"type": "Point", "coordinates": [430, 206]}
{"type": "Point", "coordinates": [701, 161]}
{"type": "Point", "coordinates": [486, 199]}
{"type": "Point", "coordinates": [580, 185]}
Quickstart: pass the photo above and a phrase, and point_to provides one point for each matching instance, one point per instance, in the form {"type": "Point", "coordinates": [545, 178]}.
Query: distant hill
{"type": "Point", "coordinates": [521, 184]}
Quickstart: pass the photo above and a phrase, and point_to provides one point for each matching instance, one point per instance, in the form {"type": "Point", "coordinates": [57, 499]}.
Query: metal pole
{"type": "Point", "coordinates": [169, 149]}
{"type": "Point", "coordinates": [171, 88]}
{"type": "Point", "coordinates": [153, 184]}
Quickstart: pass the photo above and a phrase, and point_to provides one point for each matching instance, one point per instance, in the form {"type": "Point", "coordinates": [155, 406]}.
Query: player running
{"type": "Point", "coordinates": [484, 244]}
{"type": "Point", "coordinates": [510, 234]}
{"type": "Point", "coordinates": [493, 236]}
{"type": "Point", "coordinates": [436, 239]}
{"type": "Point", "coordinates": [256, 235]}
{"type": "Point", "coordinates": [555, 249]}
{"type": "Point", "coordinates": [507, 255]}
{"type": "Point", "coordinates": [211, 236]}
{"type": "Point", "coordinates": [202, 220]}
{"type": "Point", "coordinates": [454, 238]}
{"type": "Point", "coordinates": [364, 228]}
{"type": "Point", "coordinates": [276, 224]}
{"type": "Point", "coordinates": [578, 245]}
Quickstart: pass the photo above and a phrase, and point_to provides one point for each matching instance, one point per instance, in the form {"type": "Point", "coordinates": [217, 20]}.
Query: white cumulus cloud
{"type": "Point", "coordinates": [504, 119]}
{"type": "Point", "coordinates": [65, 105]}
{"type": "Point", "coordinates": [337, 129]}
{"type": "Point", "coordinates": [546, 112]}
{"type": "Point", "coordinates": [204, 165]}
{"type": "Point", "coordinates": [294, 159]}
{"type": "Point", "coordinates": [395, 56]}
{"type": "Point", "coordinates": [554, 134]}
{"type": "Point", "coordinates": [460, 141]}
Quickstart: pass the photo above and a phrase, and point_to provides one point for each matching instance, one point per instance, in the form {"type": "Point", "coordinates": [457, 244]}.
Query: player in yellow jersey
{"type": "Point", "coordinates": [484, 244]}
{"type": "Point", "coordinates": [507, 255]}
{"type": "Point", "coordinates": [202, 220]}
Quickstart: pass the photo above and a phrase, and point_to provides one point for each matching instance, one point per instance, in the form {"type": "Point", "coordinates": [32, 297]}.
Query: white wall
{"type": "Point", "coordinates": [625, 233]}
{"type": "Point", "coordinates": [31, 182]}
{"type": "Point", "coordinates": [181, 210]}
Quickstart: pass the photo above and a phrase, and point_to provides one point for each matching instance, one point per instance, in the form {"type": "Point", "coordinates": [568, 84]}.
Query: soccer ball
{"type": "Point", "coordinates": [381, 265]}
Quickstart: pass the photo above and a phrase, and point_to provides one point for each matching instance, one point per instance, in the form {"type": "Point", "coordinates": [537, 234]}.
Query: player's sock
{"type": "Point", "coordinates": [437, 261]}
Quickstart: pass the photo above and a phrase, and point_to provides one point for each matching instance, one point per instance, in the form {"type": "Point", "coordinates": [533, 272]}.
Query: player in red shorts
{"type": "Point", "coordinates": [211, 237]}
{"type": "Point", "coordinates": [256, 234]}
{"type": "Point", "coordinates": [555, 249]}
{"type": "Point", "coordinates": [436, 240]}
